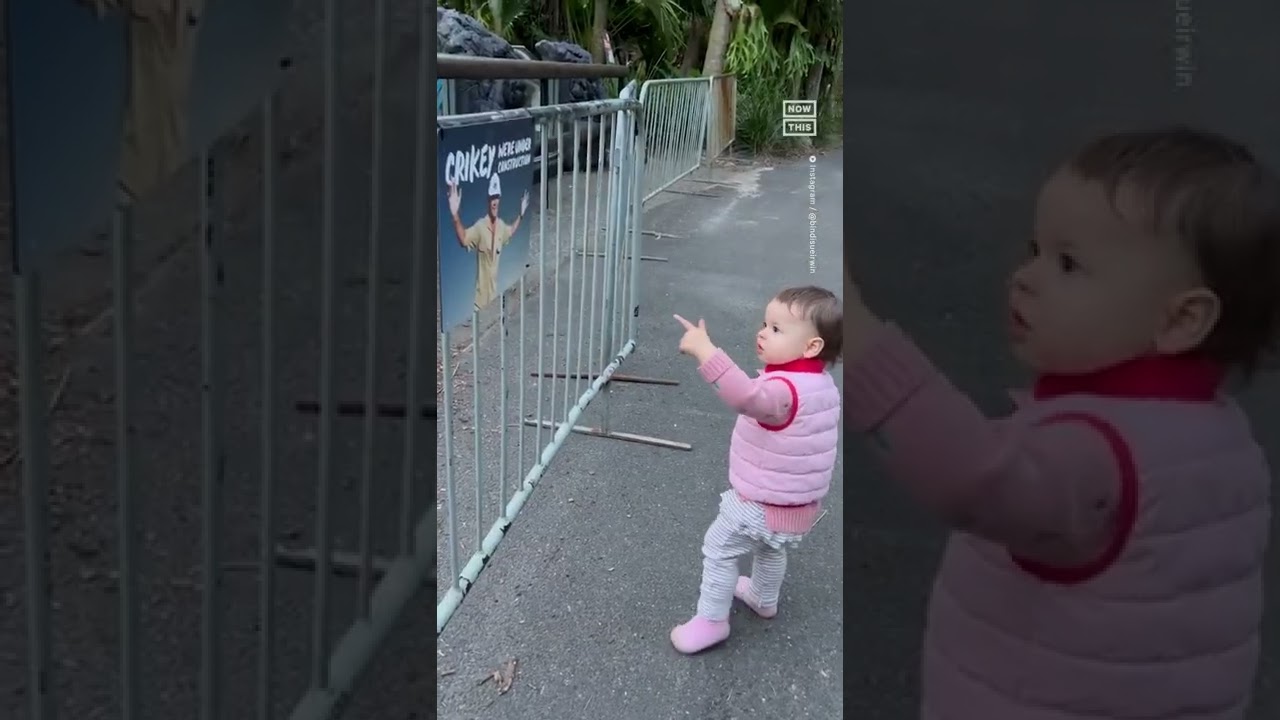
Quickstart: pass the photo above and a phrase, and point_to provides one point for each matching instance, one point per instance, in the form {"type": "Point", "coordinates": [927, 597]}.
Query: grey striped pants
{"type": "Point", "coordinates": [739, 529]}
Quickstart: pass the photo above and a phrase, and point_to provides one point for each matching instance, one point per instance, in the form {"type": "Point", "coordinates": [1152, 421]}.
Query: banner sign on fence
{"type": "Point", "coordinates": [106, 96]}
{"type": "Point", "coordinates": [486, 174]}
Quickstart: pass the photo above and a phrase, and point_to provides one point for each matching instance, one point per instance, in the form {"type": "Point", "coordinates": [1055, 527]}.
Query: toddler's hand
{"type": "Point", "coordinates": [695, 342]}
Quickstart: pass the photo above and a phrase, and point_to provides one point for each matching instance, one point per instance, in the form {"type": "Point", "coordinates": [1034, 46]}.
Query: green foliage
{"type": "Point", "coordinates": [760, 112]}
{"type": "Point", "coordinates": [771, 55]}
{"type": "Point", "coordinates": [800, 59]}
{"type": "Point", "coordinates": [751, 51]}
{"type": "Point", "coordinates": [501, 17]}
{"type": "Point", "coordinates": [773, 46]}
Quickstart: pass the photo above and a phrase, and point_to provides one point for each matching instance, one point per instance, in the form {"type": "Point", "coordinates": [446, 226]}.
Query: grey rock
{"type": "Point", "coordinates": [460, 34]}
{"type": "Point", "coordinates": [579, 90]}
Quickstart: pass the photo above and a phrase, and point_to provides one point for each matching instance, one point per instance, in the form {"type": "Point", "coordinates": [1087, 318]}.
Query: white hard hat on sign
{"type": "Point", "coordinates": [495, 187]}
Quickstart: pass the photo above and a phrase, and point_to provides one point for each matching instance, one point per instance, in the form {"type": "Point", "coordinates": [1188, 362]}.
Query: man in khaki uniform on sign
{"type": "Point", "coordinates": [486, 237]}
{"type": "Point", "coordinates": [162, 39]}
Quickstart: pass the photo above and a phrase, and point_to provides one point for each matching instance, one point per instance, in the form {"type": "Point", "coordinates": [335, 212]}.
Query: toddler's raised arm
{"type": "Point", "coordinates": [1051, 493]}
{"type": "Point", "coordinates": [768, 401]}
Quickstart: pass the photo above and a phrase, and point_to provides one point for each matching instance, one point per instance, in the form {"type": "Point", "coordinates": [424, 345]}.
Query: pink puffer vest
{"type": "Point", "coordinates": [1166, 627]}
{"type": "Point", "coordinates": [791, 463]}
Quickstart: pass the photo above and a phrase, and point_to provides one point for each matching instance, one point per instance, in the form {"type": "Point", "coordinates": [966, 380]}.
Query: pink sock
{"type": "Point", "coordinates": [742, 591]}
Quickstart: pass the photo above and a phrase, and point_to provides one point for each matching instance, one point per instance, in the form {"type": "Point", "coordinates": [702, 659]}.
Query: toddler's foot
{"type": "Point", "coordinates": [699, 634]}
{"type": "Point", "coordinates": [742, 591]}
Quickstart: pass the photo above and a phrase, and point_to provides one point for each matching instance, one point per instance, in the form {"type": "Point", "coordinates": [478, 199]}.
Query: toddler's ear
{"type": "Point", "coordinates": [1191, 318]}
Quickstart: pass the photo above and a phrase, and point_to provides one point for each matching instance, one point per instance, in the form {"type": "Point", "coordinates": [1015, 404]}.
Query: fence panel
{"type": "Point", "coordinates": [541, 351]}
{"type": "Point", "coordinates": [675, 122]}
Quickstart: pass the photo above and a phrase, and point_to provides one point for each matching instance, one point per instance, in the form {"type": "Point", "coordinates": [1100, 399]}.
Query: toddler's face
{"type": "Point", "coordinates": [1100, 288]}
{"type": "Point", "coordinates": [785, 336]}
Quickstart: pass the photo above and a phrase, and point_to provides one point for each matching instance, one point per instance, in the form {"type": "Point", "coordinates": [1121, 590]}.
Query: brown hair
{"type": "Point", "coordinates": [822, 308]}
{"type": "Point", "coordinates": [1224, 205]}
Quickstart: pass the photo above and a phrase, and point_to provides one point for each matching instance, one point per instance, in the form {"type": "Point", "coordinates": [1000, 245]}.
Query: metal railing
{"type": "Point", "coordinates": [550, 342]}
{"type": "Point", "coordinates": [687, 122]}
{"type": "Point", "coordinates": [202, 441]}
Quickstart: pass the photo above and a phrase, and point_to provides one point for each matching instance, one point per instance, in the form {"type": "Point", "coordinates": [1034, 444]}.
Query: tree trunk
{"type": "Point", "coordinates": [597, 30]}
{"type": "Point", "coordinates": [835, 82]}
{"type": "Point", "coordinates": [692, 46]}
{"type": "Point", "coordinates": [818, 39]}
{"type": "Point", "coordinates": [553, 11]}
{"type": "Point", "coordinates": [813, 83]}
{"type": "Point", "coordinates": [717, 40]}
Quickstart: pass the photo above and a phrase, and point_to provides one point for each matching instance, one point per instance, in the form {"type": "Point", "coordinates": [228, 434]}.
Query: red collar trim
{"type": "Point", "coordinates": [803, 365]}
{"type": "Point", "coordinates": [1186, 378]}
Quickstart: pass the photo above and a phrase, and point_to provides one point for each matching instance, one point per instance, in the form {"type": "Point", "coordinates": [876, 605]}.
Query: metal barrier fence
{"type": "Point", "coordinates": [550, 343]}
{"type": "Point", "coordinates": [201, 441]}
{"type": "Point", "coordinates": [686, 121]}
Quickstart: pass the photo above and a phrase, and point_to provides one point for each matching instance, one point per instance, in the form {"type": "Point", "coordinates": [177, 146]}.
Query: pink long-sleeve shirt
{"type": "Point", "coordinates": [1049, 492]}
{"type": "Point", "coordinates": [766, 402]}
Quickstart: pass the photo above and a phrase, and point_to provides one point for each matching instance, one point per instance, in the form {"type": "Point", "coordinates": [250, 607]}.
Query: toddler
{"type": "Point", "coordinates": [1108, 536]}
{"type": "Point", "coordinates": [780, 458]}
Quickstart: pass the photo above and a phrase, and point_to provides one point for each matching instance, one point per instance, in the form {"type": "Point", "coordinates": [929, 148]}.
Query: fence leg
{"type": "Point", "coordinates": [660, 235]}
{"type": "Point", "coordinates": [617, 377]}
{"type": "Point", "coordinates": [615, 435]}
{"type": "Point", "coordinates": [650, 258]}
{"type": "Point", "coordinates": [342, 564]}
